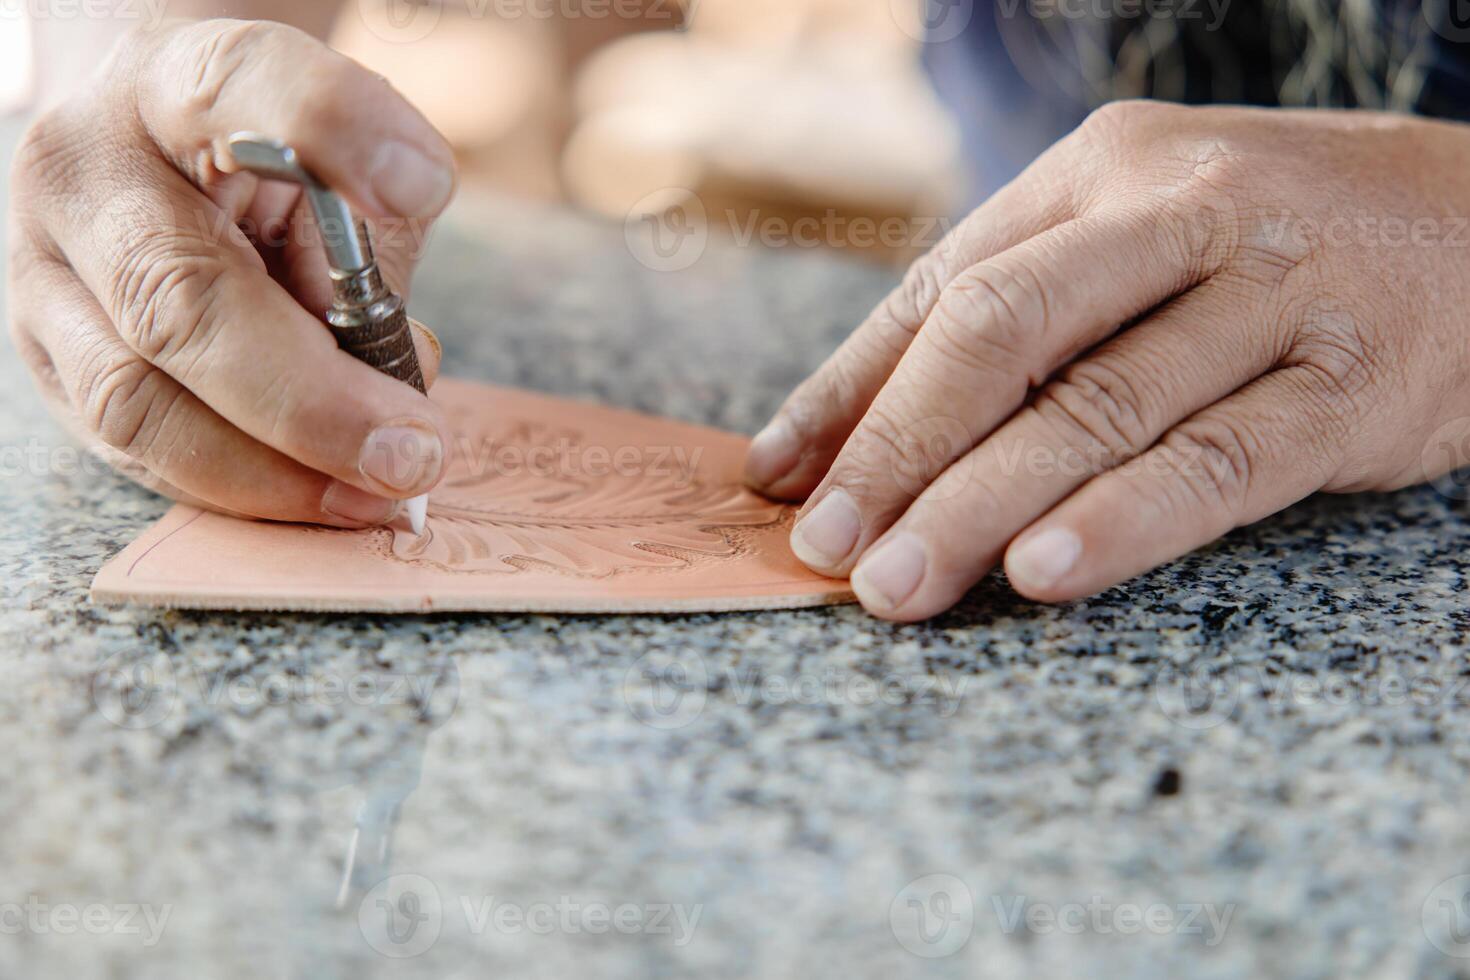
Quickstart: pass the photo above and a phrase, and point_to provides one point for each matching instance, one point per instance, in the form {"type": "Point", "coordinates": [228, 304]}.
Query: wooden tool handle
{"type": "Point", "coordinates": [381, 336]}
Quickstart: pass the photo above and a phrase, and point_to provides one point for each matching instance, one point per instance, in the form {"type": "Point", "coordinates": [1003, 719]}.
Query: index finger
{"type": "Point", "coordinates": [196, 84]}
{"type": "Point", "coordinates": [999, 330]}
{"type": "Point", "coordinates": [789, 456]}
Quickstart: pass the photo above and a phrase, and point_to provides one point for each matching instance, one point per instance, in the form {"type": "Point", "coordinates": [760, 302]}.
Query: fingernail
{"type": "Point", "coordinates": [429, 337]}
{"type": "Point", "coordinates": [773, 453]}
{"type": "Point", "coordinates": [404, 457]}
{"type": "Point", "coordinates": [890, 573]}
{"type": "Point", "coordinates": [346, 502]}
{"type": "Point", "coordinates": [431, 352]}
{"type": "Point", "coordinates": [1042, 559]}
{"type": "Point", "coordinates": [410, 183]}
{"type": "Point", "coordinates": [825, 536]}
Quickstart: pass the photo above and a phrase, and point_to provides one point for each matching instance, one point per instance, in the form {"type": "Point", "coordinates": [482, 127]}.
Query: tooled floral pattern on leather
{"type": "Point", "coordinates": [486, 517]}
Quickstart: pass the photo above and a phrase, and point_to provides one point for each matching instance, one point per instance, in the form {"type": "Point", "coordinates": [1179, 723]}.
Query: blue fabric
{"type": "Point", "coordinates": [1006, 120]}
{"type": "Point", "coordinates": [1234, 51]}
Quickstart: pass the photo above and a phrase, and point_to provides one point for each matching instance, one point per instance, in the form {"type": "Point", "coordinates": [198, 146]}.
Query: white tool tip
{"type": "Point", "coordinates": [417, 509]}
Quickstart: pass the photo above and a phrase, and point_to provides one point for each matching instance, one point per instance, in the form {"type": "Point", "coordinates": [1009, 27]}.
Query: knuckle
{"type": "Point", "coordinates": [283, 408]}
{"type": "Point", "coordinates": [1198, 207]}
{"type": "Point", "coordinates": [1272, 247]}
{"type": "Point", "coordinates": [137, 45]}
{"type": "Point", "coordinates": [1099, 404]}
{"type": "Point", "coordinates": [1106, 118]}
{"type": "Point", "coordinates": [220, 57]}
{"type": "Point", "coordinates": [990, 318]}
{"type": "Point", "coordinates": [1215, 458]}
{"type": "Point", "coordinates": [325, 71]}
{"type": "Point", "coordinates": [32, 354]}
{"type": "Point", "coordinates": [1109, 121]}
{"type": "Point", "coordinates": [163, 297]}
{"type": "Point", "coordinates": [45, 158]}
{"type": "Point", "coordinates": [881, 435]}
{"type": "Point", "coordinates": [1335, 347]}
{"type": "Point", "coordinates": [126, 402]}
{"type": "Point", "coordinates": [29, 265]}
{"type": "Point", "coordinates": [1204, 234]}
{"type": "Point", "coordinates": [909, 304]}
{"type": "Point", "coordinates": [216, 55]}
{"type": "Point", "coordinates": [1215, 167]}
{"type": "Point", "coordinates": [898, 447]}
{"type": "Point", "coordinates": [834, 391]}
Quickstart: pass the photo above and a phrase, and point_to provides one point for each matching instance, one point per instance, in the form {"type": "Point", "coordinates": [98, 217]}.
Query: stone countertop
{"type": "Point", "coordinates": [1007, 790]}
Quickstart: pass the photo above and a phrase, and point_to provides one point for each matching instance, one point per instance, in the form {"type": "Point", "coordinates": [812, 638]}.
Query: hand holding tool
{"type": "Point", "coordinates": [367, 318]}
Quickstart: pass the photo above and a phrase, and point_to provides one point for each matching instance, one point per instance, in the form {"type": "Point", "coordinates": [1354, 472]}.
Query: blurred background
{"type": "Point", "coordinates": [787, 123]}
{"type": "Point", "coordinates": [15, 63]}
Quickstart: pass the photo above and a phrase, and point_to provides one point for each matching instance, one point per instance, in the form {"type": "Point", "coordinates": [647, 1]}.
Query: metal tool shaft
{"type": "Point", "coordinates": [367, 318]}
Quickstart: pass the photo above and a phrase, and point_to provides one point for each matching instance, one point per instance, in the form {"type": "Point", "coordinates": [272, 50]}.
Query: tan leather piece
{"type": "Point", "coordinates": [549, 505]}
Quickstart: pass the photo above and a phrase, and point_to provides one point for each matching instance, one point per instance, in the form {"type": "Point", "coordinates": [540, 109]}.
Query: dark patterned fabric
{"type": "Point", "coordinates": [1031, 69]}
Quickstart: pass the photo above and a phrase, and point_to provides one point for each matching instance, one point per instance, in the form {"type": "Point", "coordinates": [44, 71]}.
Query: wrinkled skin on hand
{"type": "Point", "coordinates": [1177, 321]}
{"type": "Point", "coordinates": [169, 309]}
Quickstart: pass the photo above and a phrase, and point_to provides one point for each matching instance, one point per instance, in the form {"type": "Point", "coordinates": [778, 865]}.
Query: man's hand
{"type": "Point", "coordinates": [1293, 290]}
{"type": "Point", "coordinates": [170, 310]}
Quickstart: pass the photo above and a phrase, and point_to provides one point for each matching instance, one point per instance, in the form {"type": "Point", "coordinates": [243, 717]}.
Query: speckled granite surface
{"type": "Point", "coordinates": [738, 795]}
